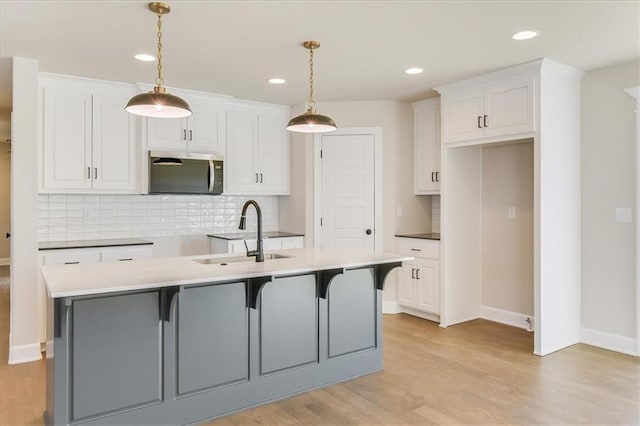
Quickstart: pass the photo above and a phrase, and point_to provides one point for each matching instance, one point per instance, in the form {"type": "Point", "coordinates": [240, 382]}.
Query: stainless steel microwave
{"type": "Point", "coordinates": [185, 173]}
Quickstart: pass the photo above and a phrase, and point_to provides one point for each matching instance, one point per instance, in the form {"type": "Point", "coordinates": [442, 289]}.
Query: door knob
{"type": "Point", "coordinates": [368, 232]}
{"type": "Point", "coordinates": [8, 235]}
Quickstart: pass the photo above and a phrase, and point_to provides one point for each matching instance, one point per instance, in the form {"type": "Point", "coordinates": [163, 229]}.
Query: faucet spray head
{"type": "Point", "coordinates": [243, 222]}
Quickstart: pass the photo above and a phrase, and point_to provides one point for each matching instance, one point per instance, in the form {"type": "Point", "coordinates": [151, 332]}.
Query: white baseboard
{"type": "Point", "coordinates": [513, 319]}
{"type": "Point", "coordinates": [49, 349]}
{"type": "Point", "coordinates": [24, 353]}
{"type": "Point", "coordinates": [390, 307]}
{"type": "Point", "coordinates": [612, 342]}
{"type": "Point", "coordinates": [5, 261]}
{"type": "Point", "coordinates": [421, 314]}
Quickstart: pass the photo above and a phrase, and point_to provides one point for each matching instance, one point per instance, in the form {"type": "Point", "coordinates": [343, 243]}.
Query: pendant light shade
{"type": "Point", "coordinates": [311, 121]}
{"type": "Point", "coordinates": [159, 103]}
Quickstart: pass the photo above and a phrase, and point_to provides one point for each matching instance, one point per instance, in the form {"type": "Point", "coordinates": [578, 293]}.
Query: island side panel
{"type": "Point", "coordinates": [288, 324]}
{"type": "Point", "coordinates": [213, 337]}
{"type": "Point", "coordinates": [117, 353]}
{"type": "Point", "coordinates": [352, 326]}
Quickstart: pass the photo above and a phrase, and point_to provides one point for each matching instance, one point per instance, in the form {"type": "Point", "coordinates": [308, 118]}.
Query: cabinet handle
{"type": "Point", "coordinates": [71, 263]}
{"type": "Point", "coordinates": [88, 172]}
{"type": "Point", "coordinates": [415, 249]}
{"type": "Point", "coordinates": [417, 273]}
{"type": "Point", "coordinates": [257, 181]}
{"type": "Point", "coordinates": [95, 173]}
{"type": "Point", "coordinates": [479, 125]}
{"type": "Point", "coordinates": [413, 273]}
{"type": "Point", "coordinates": [261, 178]}
{"type": "Point", "coordinates": [184, 134]}
{"type": "Point", "coordinates": [485, 121]}
{"type": "Point", "coordinates": [190, 135]}
{"type": "Point", "coordinates": [125, 259]}
{"type": "Point", "coordinates": [437, 176]}
{"type": "Point", "coordinates": [432, 176]}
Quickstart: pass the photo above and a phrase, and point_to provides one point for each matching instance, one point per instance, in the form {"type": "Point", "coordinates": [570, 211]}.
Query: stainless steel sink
{"type": "Point", "coordinates": [236, 259]}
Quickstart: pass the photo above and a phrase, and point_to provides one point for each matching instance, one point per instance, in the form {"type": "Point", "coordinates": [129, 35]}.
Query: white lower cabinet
{"type": "Point", "coordinates": [419, 280]}
{"type": "Point", "coordinates": [220, 245]}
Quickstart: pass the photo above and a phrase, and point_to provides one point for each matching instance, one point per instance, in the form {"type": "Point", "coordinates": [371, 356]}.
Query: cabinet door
{"type": "Point", "coordinates": [509, 106]}
{"type": "Point", "coordinates": [427, 148]}
{"type": "Point", "coordinates": [67, 139]}
{"type": "Point", "coordinates": [407, 285]}
{"type": "Point", "coordinates": [273, 155]}
{"type": "Point", "coordinates": [115, 148]}
{"type": "Point", "coordinates": [428, 279]}
{"type": "Point", "coordinates": [460, 116]}
{"type": "Point", "coordinates": [205, 128]}
{"type": "Point", "coordinates": [242, 138]}
{"type": "Point", "coordinates": [167, 133]}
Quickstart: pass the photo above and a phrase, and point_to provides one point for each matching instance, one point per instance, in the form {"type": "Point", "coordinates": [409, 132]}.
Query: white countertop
{"type": "Point", "coordinates": [109, 277]}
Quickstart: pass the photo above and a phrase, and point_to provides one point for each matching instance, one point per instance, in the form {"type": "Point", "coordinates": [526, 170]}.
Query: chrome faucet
{"type": "Point", "coordinates": [259, 253]}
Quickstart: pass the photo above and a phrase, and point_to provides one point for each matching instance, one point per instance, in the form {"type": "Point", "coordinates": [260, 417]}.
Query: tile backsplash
{"type": "Point", "coordinates": [435, 213]}
{"type": "Point", "coordinates": [87, 217]}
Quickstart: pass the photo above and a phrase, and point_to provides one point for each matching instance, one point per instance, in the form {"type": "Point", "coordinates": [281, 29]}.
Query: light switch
{"type": "Point", "coordinates": [623, 214]}
{"type": "Point", "coordinates": [511, 213]}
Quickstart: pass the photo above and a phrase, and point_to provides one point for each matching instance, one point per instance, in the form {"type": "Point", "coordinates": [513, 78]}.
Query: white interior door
{"type": "Point", "coordinates": [347, 192]}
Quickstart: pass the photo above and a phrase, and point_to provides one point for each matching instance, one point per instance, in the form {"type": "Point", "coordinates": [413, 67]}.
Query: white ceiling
{"type": "Point", "coordinates": [233, 47]}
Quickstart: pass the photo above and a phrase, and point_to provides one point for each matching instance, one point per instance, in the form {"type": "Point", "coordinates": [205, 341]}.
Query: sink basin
{"type": "Point", "coordinates": [226, 260]}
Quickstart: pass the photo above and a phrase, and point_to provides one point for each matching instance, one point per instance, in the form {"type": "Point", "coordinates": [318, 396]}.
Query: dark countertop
{"type": "Point", "coordinates": [115, 242]}
{"type": "Point", "coordinates": [252, 235]}
{"type": "Point", "coordinates": [422, 236]}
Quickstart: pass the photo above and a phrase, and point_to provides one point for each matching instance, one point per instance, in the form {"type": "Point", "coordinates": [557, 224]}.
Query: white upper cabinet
{"type": "Point", "coordinates": [89, 142]}
{"type": "Point", "coordinates": [257, 160]}
{"type": "Point", "coordinates": [202, 131]}
{"type": "Point", "coordinates": [488, 109]}
{"type": "Point", "coordinates": [427, 146]}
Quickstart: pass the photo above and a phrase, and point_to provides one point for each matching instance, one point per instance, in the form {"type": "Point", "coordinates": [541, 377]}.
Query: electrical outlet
{"type": "Point", "coordinates": [511, 213]}
{"type": "Point", "coordinates": [623, 214]}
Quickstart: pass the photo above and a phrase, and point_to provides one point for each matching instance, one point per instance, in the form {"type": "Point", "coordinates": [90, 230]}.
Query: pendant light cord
{"type": "Point", "coordinates": [159, 79]}
{"type": "Point", "coordinates": [310, 102]}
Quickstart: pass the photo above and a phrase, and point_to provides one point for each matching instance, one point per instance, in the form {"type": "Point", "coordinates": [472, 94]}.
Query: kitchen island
{"type": "Point", "coordinates": [181, 340]}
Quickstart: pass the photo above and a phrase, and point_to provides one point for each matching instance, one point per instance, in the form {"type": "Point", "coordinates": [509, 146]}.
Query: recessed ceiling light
{"type": "Point", "coordinates": [413, 70]}
{"type": "Point", "coordinates": [145, 57]}
{"type": "Point", "coordinates": [525, 35]}
{"type": "Point", "coordinates": [277, 80]}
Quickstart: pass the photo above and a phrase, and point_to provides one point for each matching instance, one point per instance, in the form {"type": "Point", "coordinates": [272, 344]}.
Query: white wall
{"type": "Point", "coordinates": [23, 340]}
{"type": "Point", "coordinates": [608, 173]}
{"type": "Point", "coordinates": [507, 243]}
{"type": "Point", "coordinates": [396, 120]}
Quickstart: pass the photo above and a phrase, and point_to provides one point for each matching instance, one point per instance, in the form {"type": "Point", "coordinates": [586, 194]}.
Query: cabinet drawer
{"type": "Point", "coordinates": [419, 248]}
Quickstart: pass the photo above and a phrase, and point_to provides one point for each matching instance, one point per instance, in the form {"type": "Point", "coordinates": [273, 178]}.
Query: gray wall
{"type": "Point", "coordinates": [507, 244]}
{"type": "Point", "coordinates": [608, 173]}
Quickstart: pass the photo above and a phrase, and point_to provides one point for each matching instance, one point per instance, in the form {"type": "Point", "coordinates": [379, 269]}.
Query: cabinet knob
{"type": "Point", "coordinates": [368, 232]}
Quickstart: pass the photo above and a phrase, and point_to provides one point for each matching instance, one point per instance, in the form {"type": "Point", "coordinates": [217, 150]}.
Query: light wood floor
{"type": "Point", "coordinates": [474, 373]}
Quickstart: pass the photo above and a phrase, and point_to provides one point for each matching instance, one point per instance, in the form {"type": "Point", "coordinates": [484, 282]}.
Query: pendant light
{"type": "Point", "coordinates": [311, 121]}
{"type": "Point", "coordinates": [159, 103]}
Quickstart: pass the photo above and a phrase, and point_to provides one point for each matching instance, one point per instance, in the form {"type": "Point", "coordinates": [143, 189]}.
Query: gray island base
{"type": "Point", "coordinates": [186, 353]}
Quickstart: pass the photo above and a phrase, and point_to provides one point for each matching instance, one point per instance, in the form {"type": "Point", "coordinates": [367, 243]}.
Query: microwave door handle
{"type": "Point", "coordinates": [212, 176]}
